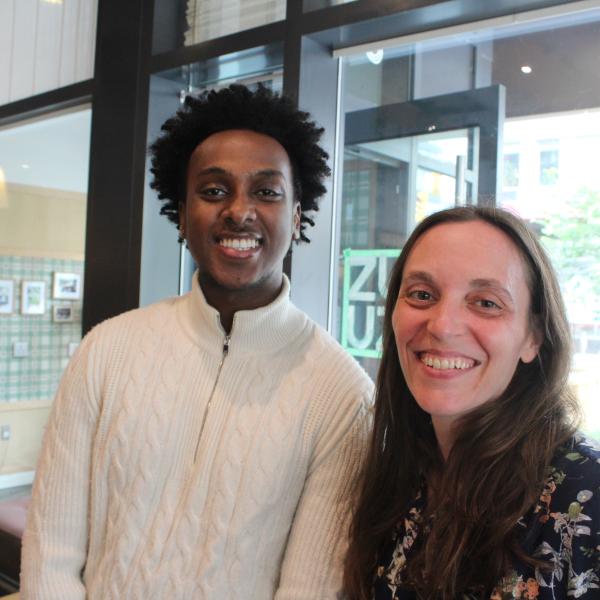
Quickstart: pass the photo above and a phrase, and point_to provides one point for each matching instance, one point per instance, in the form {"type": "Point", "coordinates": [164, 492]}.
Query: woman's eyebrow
{"type": "Point", "coordinates": [493, 284]}
{"type": "Point", "coordinates": [418, 276]}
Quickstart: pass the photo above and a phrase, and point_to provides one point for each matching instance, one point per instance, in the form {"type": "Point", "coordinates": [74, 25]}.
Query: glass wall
{"type": "Point", "coordinates": [44, 45]}
{"type": "Point", "coordinates": [189, 22]}
{"type": "Point", "coordinates": [43, 194]}
{"type": "Point", "coordinates": [493, 113]}
{"type": "Point", "coordinates": [317, 4]}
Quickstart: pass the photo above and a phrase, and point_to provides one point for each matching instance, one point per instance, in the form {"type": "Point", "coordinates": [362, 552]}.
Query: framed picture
{"type": "Point", "coordinates": [62, 313]}
{"type": "Point", "coordinates": [7, 296]}
{"type": "Point", "coordinates": [33, 297]}
{"type": "Point", "coordinates": [66, 286]}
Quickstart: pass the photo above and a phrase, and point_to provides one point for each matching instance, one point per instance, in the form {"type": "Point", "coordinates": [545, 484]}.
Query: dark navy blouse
{"type": "Point", "coordinates": [563, 528]}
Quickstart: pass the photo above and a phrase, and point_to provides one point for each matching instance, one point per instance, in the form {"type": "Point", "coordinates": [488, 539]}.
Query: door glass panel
{"type": "Point", "coordinates": [388, 187]}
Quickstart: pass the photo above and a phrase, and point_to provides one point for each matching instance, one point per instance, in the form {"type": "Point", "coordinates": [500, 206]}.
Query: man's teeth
{"type": "Point", "coordinates": [447, 363]}
{"type": "Point", "coordinates": [240, 244]}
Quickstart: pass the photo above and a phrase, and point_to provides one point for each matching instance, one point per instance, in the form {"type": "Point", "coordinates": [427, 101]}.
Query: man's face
{"type": "Point", "coordinates": [240, 214]}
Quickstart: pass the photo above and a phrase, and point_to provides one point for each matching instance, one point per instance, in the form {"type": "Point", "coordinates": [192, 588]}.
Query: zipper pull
{"type": "Point", "coordinates": [226, 345]}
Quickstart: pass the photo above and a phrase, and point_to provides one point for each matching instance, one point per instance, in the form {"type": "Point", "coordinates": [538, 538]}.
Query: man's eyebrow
{"type": "Point", "coordinates": [269, 173]}
{"type": "Point", "coordinates": [221, 171]}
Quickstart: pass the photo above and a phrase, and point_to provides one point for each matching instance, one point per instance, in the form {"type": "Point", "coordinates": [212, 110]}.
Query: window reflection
{"type": "Point", "coordinates": [543, 166]}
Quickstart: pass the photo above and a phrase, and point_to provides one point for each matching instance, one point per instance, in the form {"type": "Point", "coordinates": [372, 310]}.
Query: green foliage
{"type": "Point", "coordinates": [572, 238]}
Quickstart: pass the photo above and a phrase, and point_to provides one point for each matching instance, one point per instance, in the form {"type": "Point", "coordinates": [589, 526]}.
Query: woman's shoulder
{"type": "Point", "coordinates": [577, 462]}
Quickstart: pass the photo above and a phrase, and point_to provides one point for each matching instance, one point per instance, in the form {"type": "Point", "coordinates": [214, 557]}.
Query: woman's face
{"type": "Point", "coordinates": [461, 320]}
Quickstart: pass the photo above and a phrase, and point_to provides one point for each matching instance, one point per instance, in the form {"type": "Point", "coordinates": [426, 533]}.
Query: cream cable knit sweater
{"type": "Point", "coordinates": [121, 510]}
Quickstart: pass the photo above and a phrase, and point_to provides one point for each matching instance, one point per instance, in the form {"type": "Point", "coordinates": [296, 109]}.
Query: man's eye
{"type": "Point", "coordinates": [212, 192]}
{"type": "Point", "coordinates": [268, 193]}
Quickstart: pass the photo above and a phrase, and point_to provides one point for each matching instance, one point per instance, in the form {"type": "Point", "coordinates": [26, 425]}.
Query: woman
{"type": "Point", "coordinates": [476, 485]}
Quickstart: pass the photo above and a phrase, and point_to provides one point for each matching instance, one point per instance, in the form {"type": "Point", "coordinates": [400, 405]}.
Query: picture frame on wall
{"type": "Point", "coordinates": [62, 313]}
{"type": "Point", "coordinates": [33, 297]}
{"type": "Point", "coordinates": [66, 286]}
{"type": "Point", "coordinates": [7, 296]}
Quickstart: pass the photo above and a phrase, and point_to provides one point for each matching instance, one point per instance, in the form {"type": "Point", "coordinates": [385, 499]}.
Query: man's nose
{"type": "Point", "coordinates": [446, 319]}
{"type": "Point", "coordinates": [241, 209]}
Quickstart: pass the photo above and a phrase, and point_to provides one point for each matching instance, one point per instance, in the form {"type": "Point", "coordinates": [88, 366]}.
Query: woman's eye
{"type": "Point", "coordinates": [488, 304]}
{"type": "Point", "coordinates": [420, 295]}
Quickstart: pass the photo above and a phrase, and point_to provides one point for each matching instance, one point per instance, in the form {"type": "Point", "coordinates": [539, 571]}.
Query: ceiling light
{"type": "Point", "coordinates": [376, 56]}
{"type": "Point", "coordinates": [526, 69]}
{"type": "Point", "coordinates": [53, 1]}
{"type": "Point", "coordinates": [24, 166]}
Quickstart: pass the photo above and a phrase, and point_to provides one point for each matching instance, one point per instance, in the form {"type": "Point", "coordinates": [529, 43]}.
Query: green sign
{"type": "Point", "coordinates": [366, 274]}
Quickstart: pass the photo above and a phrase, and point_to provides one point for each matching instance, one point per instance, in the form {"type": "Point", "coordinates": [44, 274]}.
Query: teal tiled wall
{"type": "Point", "coordinates": [35, 377]}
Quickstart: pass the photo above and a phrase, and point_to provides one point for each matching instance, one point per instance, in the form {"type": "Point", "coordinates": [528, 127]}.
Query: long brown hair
{"type": "Point", "coordinates": [496, 468]}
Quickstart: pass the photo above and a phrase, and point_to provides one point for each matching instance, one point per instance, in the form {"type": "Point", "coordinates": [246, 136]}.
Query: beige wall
{"type": "Point", "coordinates": [37, 221]}
{"type": "Point", "coordinates": [45, 223]}
{"type": "Point", "coordinates": [27, 422]}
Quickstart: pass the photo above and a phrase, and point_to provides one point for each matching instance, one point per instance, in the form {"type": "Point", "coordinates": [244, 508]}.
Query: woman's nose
{"type": "Point", "coordinates": [446, 319]}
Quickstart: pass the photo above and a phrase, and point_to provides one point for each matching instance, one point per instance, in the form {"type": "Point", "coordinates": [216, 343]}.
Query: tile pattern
{"type": "Point", "coordinates": [36, 376]}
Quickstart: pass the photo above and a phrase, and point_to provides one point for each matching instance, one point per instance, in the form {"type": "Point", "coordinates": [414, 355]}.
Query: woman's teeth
{"type": "Point", "coordinates": [446, 363]}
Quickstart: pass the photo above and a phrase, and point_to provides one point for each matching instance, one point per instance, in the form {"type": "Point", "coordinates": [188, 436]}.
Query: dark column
{"type": "Point", "coordinates": [118, 140]}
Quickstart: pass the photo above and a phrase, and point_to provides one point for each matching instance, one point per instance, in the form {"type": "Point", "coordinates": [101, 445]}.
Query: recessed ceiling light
{"type": "Point", "coordinates": [375, 57]}
{"type": "Point", "coordinates": [24, 166]}
{"type": "Point", "coordinates": [526, 69]}
{"type": "Point", "coordinates": [53, 1]}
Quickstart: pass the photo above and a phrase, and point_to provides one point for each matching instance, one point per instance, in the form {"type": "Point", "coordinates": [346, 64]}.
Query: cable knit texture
{"type": "Point", "coordinates": [120, 508]}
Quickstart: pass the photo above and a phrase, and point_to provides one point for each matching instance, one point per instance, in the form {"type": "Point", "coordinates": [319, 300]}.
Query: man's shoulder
{"type": "Point", "coordinates": [328, 356]}
{"type": "Point", "coordinates": [153, 316]}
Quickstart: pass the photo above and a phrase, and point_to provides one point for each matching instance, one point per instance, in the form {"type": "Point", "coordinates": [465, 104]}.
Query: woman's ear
{"type": "Point", "coordinates": [532, 343]}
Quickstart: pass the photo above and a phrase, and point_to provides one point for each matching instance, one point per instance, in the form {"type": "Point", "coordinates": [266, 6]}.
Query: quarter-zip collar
{"type": "Point", "coordinates": [266, 329]}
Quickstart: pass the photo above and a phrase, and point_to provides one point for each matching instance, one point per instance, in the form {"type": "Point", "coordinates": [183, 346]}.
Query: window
{"type": "Point", "coordinates": [43, 195]}
{"type": "Point", "coordinates": [44, 45]}
{"type": "Point", "coordinates": [494, 114]}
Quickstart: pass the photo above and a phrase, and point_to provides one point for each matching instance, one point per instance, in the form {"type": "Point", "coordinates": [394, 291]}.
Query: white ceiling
{"type": "Point", "coordinates": [52, 152]}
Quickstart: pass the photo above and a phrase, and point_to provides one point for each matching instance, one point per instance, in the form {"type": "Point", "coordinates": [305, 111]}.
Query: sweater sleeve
{"type": "Point", "coordinates": [313, 560]}
{"type": "Point", "coordinates": [56, 533]}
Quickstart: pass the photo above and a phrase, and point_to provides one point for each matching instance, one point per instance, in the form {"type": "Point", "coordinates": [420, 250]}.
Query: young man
{"type": "Point", "coordinates": [204, 447]}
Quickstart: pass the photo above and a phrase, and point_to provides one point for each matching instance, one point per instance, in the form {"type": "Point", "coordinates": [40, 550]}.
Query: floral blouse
{"type": "Point", "coordinates": [563, 528]}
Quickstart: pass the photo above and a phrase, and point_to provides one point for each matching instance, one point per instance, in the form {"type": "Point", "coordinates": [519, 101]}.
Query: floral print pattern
{"type": "Point", "coordinates": [563, 529]}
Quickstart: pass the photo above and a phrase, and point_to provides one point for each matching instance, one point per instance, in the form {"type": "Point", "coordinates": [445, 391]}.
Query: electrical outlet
{"type": "Point", "coordinates": [20, 349]}
{"type": "Point", "coordinates": [4, 432]}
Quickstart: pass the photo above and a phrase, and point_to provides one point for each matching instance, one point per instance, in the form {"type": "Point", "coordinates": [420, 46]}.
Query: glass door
{"type": "Point", "coordinates": [401, 163]}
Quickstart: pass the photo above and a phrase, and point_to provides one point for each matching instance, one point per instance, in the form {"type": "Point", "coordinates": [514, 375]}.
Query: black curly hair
{"type": "Point", "coordinates": [237, 107]}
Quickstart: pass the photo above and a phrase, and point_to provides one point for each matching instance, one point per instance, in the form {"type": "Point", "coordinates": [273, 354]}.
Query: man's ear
{"type": "Point", "coordinates": [296, 221]}
{"type": "Point", "coordinates": [181, 212]}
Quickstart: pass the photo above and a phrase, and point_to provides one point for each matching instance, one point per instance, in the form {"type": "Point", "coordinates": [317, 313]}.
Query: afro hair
{"type": "Point", "coordinates": [237, 107]}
